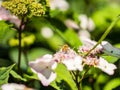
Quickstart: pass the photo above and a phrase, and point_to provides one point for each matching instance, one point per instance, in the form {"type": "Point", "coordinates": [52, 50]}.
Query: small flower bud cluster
{"type": "Point", "coordinates": [92, 58]}
{"type": "Point", "coordinates": [36, 9]}
{"type": "Point", "coordinates": [24, 8]}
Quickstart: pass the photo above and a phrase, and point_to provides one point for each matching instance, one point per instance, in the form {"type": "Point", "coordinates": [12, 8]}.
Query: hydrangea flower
{"type": "Point", "coordinates": [93, 59]}
{"type": "Point", "coordinates": [69, 58]}
{"type": "Point", "coordinates": [73, 63]}
{"type": "Point", "coordinates": [44, 67]}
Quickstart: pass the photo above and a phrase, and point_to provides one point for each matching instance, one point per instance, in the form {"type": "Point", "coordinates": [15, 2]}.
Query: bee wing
{"type": "Point", "coordinates": [110, 50]}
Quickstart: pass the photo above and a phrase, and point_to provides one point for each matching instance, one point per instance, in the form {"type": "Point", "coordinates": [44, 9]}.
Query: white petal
{"type": "Point", "coordinates": [78, 63]}
{"type": "Point", "coordinates": [73, 63]}
{"type": "Point", "coordinates": [69, 64]}
{"type": "Point", "coordinates": [47, 80]}
{"type": "Point", "coordinates": [106, 67]}
{"type": "Point", "coordinates": [37, 66]}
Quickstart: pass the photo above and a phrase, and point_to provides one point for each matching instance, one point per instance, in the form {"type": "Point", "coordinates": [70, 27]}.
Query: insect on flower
{"type": "Point", "coordinates": [65, 48]}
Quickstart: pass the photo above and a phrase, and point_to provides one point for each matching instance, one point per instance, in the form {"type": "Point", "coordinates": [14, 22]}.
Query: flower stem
{"type": "Point", "coordinates": [75, 77]}
{"type": "Point", "coordinates": [19, 47]}
{"type": "Point", "coordinates": [105, 34]}
{"type": "Point", "coordinates": [84, 75]}
{"type": "Point", "coordinates": [26, 57]}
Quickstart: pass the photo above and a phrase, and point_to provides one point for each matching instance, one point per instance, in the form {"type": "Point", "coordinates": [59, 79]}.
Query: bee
{"type": "Point", "coordinates": [65, 48]}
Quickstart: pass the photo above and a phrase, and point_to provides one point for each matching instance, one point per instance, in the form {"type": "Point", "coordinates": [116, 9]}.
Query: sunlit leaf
{"type": "Point", "coordinates": [102, 78]}
{"type": "Point", "coordinates": [64, 80]}
{"type": "Point", "coordinates": [17, 76]}
{"type": "Point", "coordinates": [54, 13]}
{"type": "Point", "coordinates": [112, 84]}
{"type": "Point", "coordinates": [6, 32]}
{"type": "Point", "coordinates": [110, 59]}
{"type": "Point", "coordinates": [73, 38]}
{"type": "Point", "coordinates": [55, 42]}
{"type": "Point", "coordinates": [29, 77]}
{"type": "Point", "coordinates": [4, 74]}
{"type": "Point", "coordinates": [87, 88]}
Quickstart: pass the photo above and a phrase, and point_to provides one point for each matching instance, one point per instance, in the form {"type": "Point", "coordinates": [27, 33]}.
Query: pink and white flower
{"type": "Point", "coordinates": [73, 63]}
{"type": "Point", "coordinates": [93, 59]}
{"type": "Point", "coordinates": [44, 67]}
{"type": "Point", "coordinates": [69, 58]}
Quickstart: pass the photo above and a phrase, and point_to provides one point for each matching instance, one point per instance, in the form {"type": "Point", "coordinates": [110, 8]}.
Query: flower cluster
{"type": "Point", "coordinates": [24, 7]}
{"type": "Point", "coordinates": [73, 61]}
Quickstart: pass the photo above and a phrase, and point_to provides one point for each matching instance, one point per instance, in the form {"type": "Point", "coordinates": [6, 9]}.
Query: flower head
{"type": "Point", "coordinates": [44, 67]}
{"type": "Point", "coordinates": [64, 53]}
{"type": "Point", "coordinates": [93, 59]}
{"type": "Point", "coordinates": [69, 58]}
{"type": "Point", "coordinates": [24, 8]}
{"type": "Point", "coordinates": [73, 63]}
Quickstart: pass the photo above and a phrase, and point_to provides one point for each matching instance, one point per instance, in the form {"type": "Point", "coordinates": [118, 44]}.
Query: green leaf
{"type": "Point", "coordinates": [112, 84]}
{"type": "Point", "coordinates": [37, 52]}
{"type": "Point", "coordinates": [14, 56]}
{"type": "Point", "coordinates": [55, 42]}
{"type": "Point", "coordinates": [15, 75]}
{"type": "Point", "coordinates": [110, 59]}
{"type": "Point", "coordinates": [87, 87]}
{"type": "Point", "coordinates": [54, 13]}
{"type": "Point", "coordinates": [72, 38]}
{"type": "Point", "coordinates": [34, 76]}
{"type": "Point", "coordinates": [64, 80]}
{"type": "Point", "coordinates": [4, 74]}
{"type": "Point", "coordinates": [6, 32]}
{"type": "Point", "coordinates": [102, 78]}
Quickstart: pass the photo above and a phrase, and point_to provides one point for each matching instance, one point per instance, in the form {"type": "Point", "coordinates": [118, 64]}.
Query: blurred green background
{"type": "Point", "coordinates": [44, 35]}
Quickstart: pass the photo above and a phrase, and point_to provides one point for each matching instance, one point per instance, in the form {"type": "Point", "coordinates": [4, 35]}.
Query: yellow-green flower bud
{"type": "Point", "coordinates": [25, 41]}
{"type": "Point", "coordinates": [13, 42]}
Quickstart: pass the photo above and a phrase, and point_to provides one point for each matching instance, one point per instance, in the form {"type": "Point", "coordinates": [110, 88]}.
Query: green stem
{"type": "Point", "coordinates": [84, 74]}
{"type": "Point", "coordinates": [105, 34]}
{"type": "Point", "coordinates": [75, 77]}
{"type": "Point", "coordinates": [26, 57]}
{"type": "Point", "coordinates": [19, 47]}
